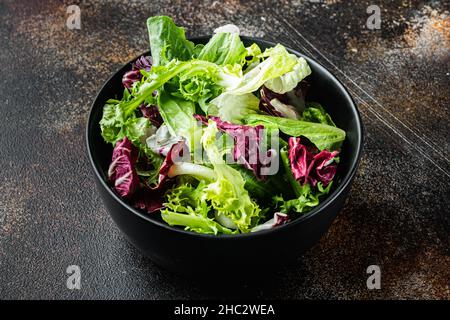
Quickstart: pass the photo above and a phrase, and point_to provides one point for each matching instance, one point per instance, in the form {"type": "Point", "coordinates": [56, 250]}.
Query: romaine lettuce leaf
{"type": "Point", "coordinates": [278, 62]}
{"type": "Point", "coordinates": [237, 99]}
{"type": "Point", "coordinates": [252, 56]}
{"type": "Point", "coordinates": [289, 80]}
{"type": "Point", "coordinates": [315, 113]}
{"type": "Point", "coordinates": [323, 136]}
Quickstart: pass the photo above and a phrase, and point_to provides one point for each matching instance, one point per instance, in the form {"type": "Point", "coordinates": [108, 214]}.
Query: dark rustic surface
{"type": "Point", "coordinates": [397, 215]}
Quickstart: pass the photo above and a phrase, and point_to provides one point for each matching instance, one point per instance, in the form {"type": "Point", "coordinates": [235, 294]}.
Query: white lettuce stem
{"type": "Point", "coordinates": [198, 171]}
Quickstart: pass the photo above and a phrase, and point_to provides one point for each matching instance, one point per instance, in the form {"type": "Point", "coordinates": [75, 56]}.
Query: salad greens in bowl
{"type": "Point", "coordinates": [222, 137]}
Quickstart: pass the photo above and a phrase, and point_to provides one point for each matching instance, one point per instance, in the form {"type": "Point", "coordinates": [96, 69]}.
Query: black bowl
{"type": "Point", "coordinates": [189, 252]}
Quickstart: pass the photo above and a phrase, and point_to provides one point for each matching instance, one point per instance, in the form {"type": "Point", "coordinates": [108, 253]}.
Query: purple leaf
{"type": "Point", "coordinates": [121, 171]}
{"type": "Point", "coordinates": [151, 113]}
{"type": "Point", "coordinates": [311, 167]}
{"type": "Point", "coordinates": [150, 197]}
{"type": "Point", "coordinates": [176, 153]}
{"type": "Point", "coordinates": [287, 105]}
{"type": "Point", "coordinates": [297, 97]}
{"type": "Point", "coordinates": [147, 199]}
{"type": "Point", "coordinates": [300, 160]}
{"type": "Point", "coordinates": [264, 103]}
{"type": "Point", "coordinates": [134, 75]}
{"type": "Point", "coordinates": [247, 140]}
{"type": "Point", "coordinates": [143, 63]}
{"type": "Point", "coordinates": [131, 77]}
{"type": "Point", "coordinates": [324, 170]}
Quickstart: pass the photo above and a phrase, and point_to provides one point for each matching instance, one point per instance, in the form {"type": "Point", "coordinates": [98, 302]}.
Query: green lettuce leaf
{"type": "Point", "coordinates": [197, 85]}
{"type": "Point", "coordinates": [138, 130]}
{"type": "Point", "coordinates": [278, 62]}
{"type": "Point", "coordinates": [296, 187]}
{"type": "Point", "coordinates": [262, 189]}
{"type": "Point", "coordinates": [238, 100]}
{"type": "Point", "coordinates": [223, 48]}
{"type": "Point", "coordinates": [323, 136]}
{"type": "Point", "coordinates": [178, 116]}
{"type": "Point", "coordinates": [305, 202]}
{"type": "Point", "coordinates": [233, 107]}
{"type": "Point", "coordinates": [289, 80]}
{"type": "Point", "coordinates": [112, 122]}
{"type": "Point", "coordinates": [167, 41]}
{"type": "Point", "coordinates": [200, 80]}
{"type": "Point", "coordinates": [186, 206]}
{"type": "Point", "coordinates": [157, 77]}
{"type": "Point", "coordinates": [197, 49]}
{"type": "Point", "coordinates": [114, 125]}
{"type": "Point", "coordinates": [252, 56]}
{"type": "Point", "coordinates": [315, 113]}
{"type": "Point", "coordinates": [197, 171]}
{"type": "Point", "coordinates": [149, 174]}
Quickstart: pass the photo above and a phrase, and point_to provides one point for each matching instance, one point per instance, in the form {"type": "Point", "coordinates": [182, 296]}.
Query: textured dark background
{"type": "Point", "coordinates": [397, 215]}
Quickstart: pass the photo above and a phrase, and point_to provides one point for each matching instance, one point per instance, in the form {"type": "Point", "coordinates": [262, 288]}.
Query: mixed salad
{"type": "Point", "coordinates": [218, 138]}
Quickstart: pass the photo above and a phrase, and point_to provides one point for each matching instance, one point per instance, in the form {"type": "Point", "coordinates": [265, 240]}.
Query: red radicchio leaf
{"type": "Point", "coordinates": [144, 62]}
{"type": "Point", "coordinates": [150, 197]}
{"type": "Point", "coordinates": [324, 171]}
{"type": "Point", "coordinates": [300, 92]}
{"type": "Point", "coordinates": [293, 101]}
{"type": "Point", "coordinates": [152, 114]}
{"type": "Point", "coordinates": [121, 171]}
{"type": "Point", "coordinates": [176, 154]}
{"type": "Point", "coordinates": [264, 103]}
{"type": "Point", "coordinates": [130, 77]}
{"type": "Point", "coordinates": [122, 174]}
{"type": "Point", "coordinates": [277, 220]}
{"type": "Point", "coordinates": [149, 200]}
{"type": "Point", "coordinates": [246, 142]}
{"type": "Point", "coordinates": [300, 158]}
{"type": "Point", "coordinates": [308, 166]}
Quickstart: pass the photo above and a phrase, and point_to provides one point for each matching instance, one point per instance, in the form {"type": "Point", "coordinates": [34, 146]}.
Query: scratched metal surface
{"type": "Point", "coordinates": [397, 215]}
